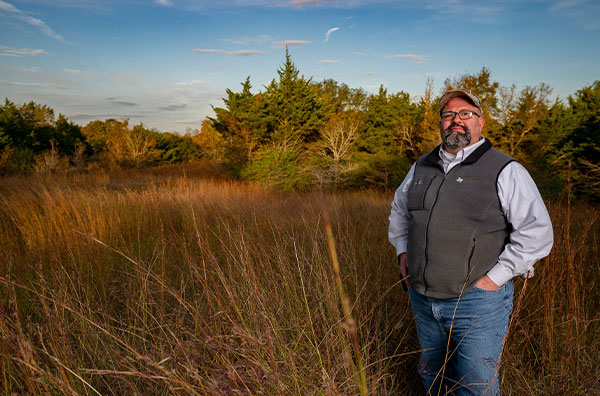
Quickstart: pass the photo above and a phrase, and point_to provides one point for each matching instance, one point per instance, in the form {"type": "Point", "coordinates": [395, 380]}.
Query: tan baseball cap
{"type": "Point", "coordinates": [463, 93]}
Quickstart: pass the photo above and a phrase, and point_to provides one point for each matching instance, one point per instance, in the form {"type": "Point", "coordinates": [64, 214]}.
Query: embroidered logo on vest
{"type": "Point", "coordinates": [467, 180]}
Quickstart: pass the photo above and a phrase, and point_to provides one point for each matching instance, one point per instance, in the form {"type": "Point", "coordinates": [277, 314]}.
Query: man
{"type": "Point", "coordinates": [465, 221]}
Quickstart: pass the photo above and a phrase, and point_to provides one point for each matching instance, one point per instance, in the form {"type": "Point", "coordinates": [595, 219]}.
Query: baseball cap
{"type": "Point", "coordinates": [463, 93]}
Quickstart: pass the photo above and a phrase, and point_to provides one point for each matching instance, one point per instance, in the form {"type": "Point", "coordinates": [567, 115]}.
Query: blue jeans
{"type": "Point", "coordinates": [461, 340]}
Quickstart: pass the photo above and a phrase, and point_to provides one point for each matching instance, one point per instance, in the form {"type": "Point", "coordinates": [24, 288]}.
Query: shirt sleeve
{"type": "Point", "coordinates": [532, 236]}
{"type": "Point", "coordinates": [399, 216]}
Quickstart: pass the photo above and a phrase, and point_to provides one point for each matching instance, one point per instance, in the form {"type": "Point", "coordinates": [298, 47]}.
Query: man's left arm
{"type": "Point", "coordinates": [532, 236]}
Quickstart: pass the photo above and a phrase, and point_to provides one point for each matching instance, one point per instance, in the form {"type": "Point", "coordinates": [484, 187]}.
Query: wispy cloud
{"type": "Point", "coordinates": [189, 83]}
{"type": "Point", "coordinates": [173, 107]}
{"type": "Point", "coordinates": [33, 69]}
{"type": "Point", "coordinates": [234, 53]}
{"type": "Point", "coordinates": [71, 71]}
{"type": "Point", "coordinates": [90, 116]}
{"type": "Point", "coordinates": [244, 52]}
{"type": "Point", "coordinates": [369, 74]}
{"type": "Point", "coordinates": [479, 12]}
{"type": "Point", "coordinates": [584, 12]}
{"type": "Point", "coordinates": [289, 43]}
{"type": "Point", "coordinates": [38, 23]}
{"type": "Point", "coordinates": [418, 59]}
{"type": "Point", "coordinates": [23, 84]}
{"type": "Point", "coordinates": [208, 51]}
{"type": "Point", "coordinates": [329, 33]}
{"type": "Point", "coordinates": [302, 3]}
{"type": "Point", "coordinates": [329, 61]}
{"type": "Point", "coordinates": [8, 51]}
{"type": "Point", "coordinates": [262, 39]}
{"type": "Point", "coordinates": [122, 103]}
{"type": "Point", "coordinates": [166, 3]}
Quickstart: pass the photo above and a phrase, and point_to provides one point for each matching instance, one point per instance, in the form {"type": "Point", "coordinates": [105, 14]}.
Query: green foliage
{"type": "Point", "coordinates": [176, 148]}
{"type": "Point", "coordinates": [584, 141]}
{"type": "Point", "coordinates": [294, 112]}
{"type": "Point", "coordinates": [340, 97]}
{"type": "Point", "coordinates": [30, 130]}
{"type": "Point", "coordinates": [67, 135]}
{"type": "Point", "coordinates": [21, 160]}
{"type": "Point", "coordinates": [278, 168]}
{"type": "Point", "coordinates": [380, 170]}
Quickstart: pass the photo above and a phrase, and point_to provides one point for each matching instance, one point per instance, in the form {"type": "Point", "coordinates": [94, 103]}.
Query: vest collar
{"type": "Point", "coordinates": [433, 158]}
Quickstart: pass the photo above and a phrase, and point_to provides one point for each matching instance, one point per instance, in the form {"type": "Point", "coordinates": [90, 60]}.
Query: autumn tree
{"type": "Point", "coordinates": [480, 84]}
{"type": "Point", "coordinates": [209, 140]}
{"type": "Point", "coordinates": [97, 133]}
{"type": "Point", "coordinates": [133, 148]}
{"type": "Point", "coordinates": [426, 135]}
{"type": "Point", "coordinates": [331, 152]}
{"type": "Point", "coordinates": [518, 116]}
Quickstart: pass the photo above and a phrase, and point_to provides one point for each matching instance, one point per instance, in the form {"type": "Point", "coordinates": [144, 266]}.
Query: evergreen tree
{"type": "Point", "coordinates": [294, 111]}
{"type": "Point", "coordinates": [242, 125]}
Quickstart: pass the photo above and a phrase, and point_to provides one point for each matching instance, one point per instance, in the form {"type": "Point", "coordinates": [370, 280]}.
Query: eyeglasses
{"type": "Point", "coordinates": [463, 115]}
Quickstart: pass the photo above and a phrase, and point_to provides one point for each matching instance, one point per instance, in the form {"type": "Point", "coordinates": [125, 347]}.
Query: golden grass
{"type": "Point", "coordinates": [163, 282]}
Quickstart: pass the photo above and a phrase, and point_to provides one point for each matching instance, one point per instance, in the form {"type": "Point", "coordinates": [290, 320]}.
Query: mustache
{"type": "Point", "coordinates": [448, 130]}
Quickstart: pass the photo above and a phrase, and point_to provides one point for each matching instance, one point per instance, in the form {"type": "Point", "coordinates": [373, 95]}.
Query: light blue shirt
{"type": "Point", "coordinates": [532, 236]}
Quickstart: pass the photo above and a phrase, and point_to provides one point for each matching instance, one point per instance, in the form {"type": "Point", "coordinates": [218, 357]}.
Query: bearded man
{"type": "Point", "coordinates": [465, 221]}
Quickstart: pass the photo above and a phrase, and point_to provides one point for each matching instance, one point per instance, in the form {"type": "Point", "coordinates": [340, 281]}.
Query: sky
{"type": "Point", "coordinates": [165, 63]}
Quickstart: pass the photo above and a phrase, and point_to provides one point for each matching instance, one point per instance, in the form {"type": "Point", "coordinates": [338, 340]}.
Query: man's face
{"type": "Point", "coordinates": [456, 133]}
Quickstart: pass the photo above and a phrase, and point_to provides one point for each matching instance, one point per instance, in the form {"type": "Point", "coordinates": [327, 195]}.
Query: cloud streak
{"type": "Point", "coordinates": [418, 59]}
{"type": "Point", "coordinates": [329, 33]}
{"type": "Point", "coordinates": [23, 84]}
{"type": "Point", "coordinates": [289, 43]}
{"type": "Point", "coordinates": [329, 61]}
{"type": "Point", "coordinates": [189, 83]}
{"type": "Point", "coordinates": [584, 12]}
{"type": "Point", "coordinates": [233, 53]}
{"type": "Point", "coordinates": [302, 3]}
{"type": "Point", "coordinates": [9, 51]}
{"type": "Point", "coordinates": [38, 23]}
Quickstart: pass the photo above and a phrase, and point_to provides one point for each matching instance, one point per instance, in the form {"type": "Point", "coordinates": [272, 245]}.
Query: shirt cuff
{"type": "Point", "coordinates": [500, 275]}
{"type": "Point", "coordinates": [401, 247]}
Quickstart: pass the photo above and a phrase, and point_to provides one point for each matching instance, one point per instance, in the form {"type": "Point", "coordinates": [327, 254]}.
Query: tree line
{"type": "Point", "coordinates": [298, 134]}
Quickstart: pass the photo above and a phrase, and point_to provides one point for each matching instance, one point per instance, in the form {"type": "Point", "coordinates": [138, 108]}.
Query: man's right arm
{"type": "Point", "coordinates": [399, 217]}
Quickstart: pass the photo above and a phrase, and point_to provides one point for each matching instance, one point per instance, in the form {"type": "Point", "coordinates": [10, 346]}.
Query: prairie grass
{"type": "Point", "coordinates": [172, 282]}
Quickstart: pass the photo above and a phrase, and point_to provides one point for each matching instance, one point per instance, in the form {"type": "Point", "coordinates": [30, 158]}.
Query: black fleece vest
{"type": "Point", "coordinates": [457, 229]}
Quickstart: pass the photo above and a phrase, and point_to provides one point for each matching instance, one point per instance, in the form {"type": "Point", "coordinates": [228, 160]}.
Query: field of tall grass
{"type": "Point", "coordinates": [175, 282]}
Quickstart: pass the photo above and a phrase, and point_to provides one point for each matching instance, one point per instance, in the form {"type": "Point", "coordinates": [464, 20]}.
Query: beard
{"type": "Point", "coordinates": [453, 139]}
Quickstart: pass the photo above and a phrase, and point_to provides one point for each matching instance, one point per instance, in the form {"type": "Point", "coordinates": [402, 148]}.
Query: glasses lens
{"type": "Point", "coordinates": [465, 114]}
{"type": "Point", "coordinates": [448, 115]}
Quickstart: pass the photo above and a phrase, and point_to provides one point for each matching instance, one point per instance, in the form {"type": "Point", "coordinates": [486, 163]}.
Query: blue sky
{"type": "Point", "coordinates": [165, 62]}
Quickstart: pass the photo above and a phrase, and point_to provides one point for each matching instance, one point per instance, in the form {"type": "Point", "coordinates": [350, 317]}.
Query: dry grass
{"type": "Point", "coordinates": [166, 283]}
